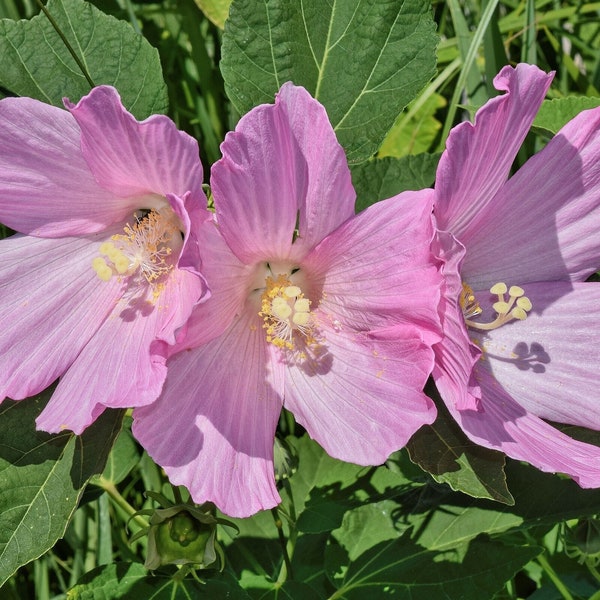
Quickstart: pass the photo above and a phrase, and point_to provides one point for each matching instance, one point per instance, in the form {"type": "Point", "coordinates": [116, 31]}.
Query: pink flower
{"type": "Point", "coordinates": [103, 270]}
{"type": "Point", "coordinates": [520, 322]}
{"type": "Point", "coordinates": [328, 314]}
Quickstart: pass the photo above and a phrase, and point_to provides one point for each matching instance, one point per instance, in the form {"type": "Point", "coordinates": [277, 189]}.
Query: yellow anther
{"type": "Point", "coordinates": [144, 246]}
{"type": "Point", "coordinates": [518, 313]}
{"type": "Point", "coordinates": [516, 291]}
{"type": "Point", "coordinates": [468, 302]}
{"type": "Point", "coordinates": [292, 291]}
{"type": "Point", "coordinates": [301, 318]}
{"type": "Point", "coordinates": [524, 302]}
{"type": "Point", "coordinates": [498, 288]}
{"type": "Point", "coordinates": [516, 307]}
{"type": "Point", "coordinates": [285, 312]}
{"type": "Point", "coordinates": [302, 305]}
{"type": "Point", "coordinates": [501, 307]}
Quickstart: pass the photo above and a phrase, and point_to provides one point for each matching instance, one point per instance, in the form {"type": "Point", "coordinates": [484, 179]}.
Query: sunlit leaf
{"type": "Point", "coordinates": [364, 60]}
{"type": "Point", "coordinates": [553, 114]}
{"type": "Point", "coordinates": [215, 10]}
{"type": "Point", "coordinates": [36, 62]}
{"type": "Point", "coordinates": [42, 477]}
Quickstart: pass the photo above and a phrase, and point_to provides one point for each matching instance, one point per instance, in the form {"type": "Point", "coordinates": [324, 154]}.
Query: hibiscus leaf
{"type": "Point", "coordinates": [383, 178]}
{"type": "Point", "coordinates": [42, 477]}
{"type": "Point", "coordinates": [443, 450]}
{"type": "Point", "coordinates": [402, 568]}
{"type": "Point", "coordinates": [315, 44]}
{"type": "Point", "coordinates": [324, 488]}
{"type": "Point", "coordinates": [553, 114]}
{"type": "Point", "coordinates": [37, 63]}
{"type": "Point", "coordinates": [132, 580]}
{"type": "Point", "coordinates": [215, 10]}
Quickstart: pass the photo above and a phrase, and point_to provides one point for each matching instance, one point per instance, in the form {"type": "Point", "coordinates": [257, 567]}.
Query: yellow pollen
{"type": "Point", "coordinates": [468, 302]}
{"type": "Point", "coordinates": [285, 312]}
{"type": "Point", "coordinates": [515, 307]}
{"type": "Point", "coordinates": [144, 247]}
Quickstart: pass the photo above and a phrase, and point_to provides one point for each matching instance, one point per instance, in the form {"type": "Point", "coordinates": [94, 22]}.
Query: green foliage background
{"type": "Point", "coordinates": [441, 519]}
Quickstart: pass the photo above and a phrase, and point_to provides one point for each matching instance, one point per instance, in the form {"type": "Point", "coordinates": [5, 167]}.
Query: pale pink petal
{"type": "Point", "coordinates": [478, 157]}
{"type": "Point", "coordinates": [549, 362]}
{"type": "Point", "coordinates": [282, 169]}
{"type": "Point", "coordinates": [329, 198]}
{"type": "Point", "coordinates": [212, 429]}
{"type": "Point", "coordinates": [129, 157]}
{"type": "Point", "coordinates": [123, 365]}
{"type": "Point", "coordinates": [46, 187]}
{"type": "Point", "coordinates": [377, 268]}
{"type": "Point", "coordinates": [259, 185]}
{"type": "Point", "coordinates": [52, 304]}
{"type": "Point", "coordinates": [504, 425]}
{"type": "Point", "coordinates": [230, 283]}
{"type": "Point", "coordinates": [455, 355]}
{"type": "Point", "coordinates": [543, 225]}
{"type": "Point", "coordinates": [359, 395]}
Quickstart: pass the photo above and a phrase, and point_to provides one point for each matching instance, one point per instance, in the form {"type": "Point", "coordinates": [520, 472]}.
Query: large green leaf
{"type": "Point", "coordinates": [444, 519]}
{"type": "Point", "coordinates": [364, 60]}
{"type": "Point", "coordinates": [443, 450]}
{"type": "Point", "coordinates": [554, 114]}
{"type": "Point", "coordinates": [383, 178]}
{"type": "Point", "coordinates": [134, 582]}
{"type": "Point", "coordinates": [400, 568]}
{"type": "Point", "coordinates": [42, 477]}
{"type": "Point", "coordinates": [36, 62]}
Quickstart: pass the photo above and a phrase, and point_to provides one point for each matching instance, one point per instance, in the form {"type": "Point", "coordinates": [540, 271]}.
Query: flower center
{"type": "Point", "coordinates": [515, 307]}
{"type": "Point", "coordinates": [285, 310]}
{"type": "Point", "coordinates": [144, 247]}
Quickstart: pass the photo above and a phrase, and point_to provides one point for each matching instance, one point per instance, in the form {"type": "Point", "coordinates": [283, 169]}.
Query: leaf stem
{"type": "Point", "coordinates": [284, 574]}
{"type": "Point", "coordinates": [113, 492]}
{"type": "Point", "coordinates": [560, 586]}
{"type": "Point", "coordinates": [62, 36]}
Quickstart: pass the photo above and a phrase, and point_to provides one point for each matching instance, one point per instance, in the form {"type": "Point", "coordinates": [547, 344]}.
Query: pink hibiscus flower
{"type": "Point", "coordinates": [103, 269]}
{"type": "Point", "coordinates": [519, 320]}
{"type": "Point", "coordinates": [329, 314]}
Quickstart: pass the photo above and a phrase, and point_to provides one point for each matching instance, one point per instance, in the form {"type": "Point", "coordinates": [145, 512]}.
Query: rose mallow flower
{"type": "Point", "coordinates": [103, 269]}
{"type": "Point", "coordinates": [328, 314]}
{"type": "Point", "coordinates": [520, 321]}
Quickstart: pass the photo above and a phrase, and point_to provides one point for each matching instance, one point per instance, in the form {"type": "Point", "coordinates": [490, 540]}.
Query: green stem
{"type": "Point", "coordinates": [113, 492]}
{"type": "Point", "coordinates": [560, 586]}
{"type": "Point", "coordinates": [287, 572]}
{"type": "Point", "coordinates": [592, 569]}
{"type": "Point", "coordinates": [62, 36]}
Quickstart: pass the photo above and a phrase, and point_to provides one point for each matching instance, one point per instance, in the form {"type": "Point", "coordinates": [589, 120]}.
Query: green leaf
{"type": "Point", "coordinates": [444, 451]}
{"type": "Point", "coordinates": [404, 569]}
{"type": "Point", "coordinates": [414, 135]}
{"type": "Point", "coordinates": [42, 477]}
{"type": "Point", "coordinates": [124, 456]}
{"type": "Point", "coordinates": [215, 10]}
{"type": "Point", "coordinates": [36, 62]}
{"type": "Point", "coordinates": [445, 519]}
{"type": "Point", "coordinates": [364, 60]}
{"type": "Point", "coordinates": [324, 488]}
{"type": "Point", "coordinates": [553, 114]}
{"type": "Point", "coordinates": [383, 178]}
{"type": "Point", "coordinates": [134, 582]}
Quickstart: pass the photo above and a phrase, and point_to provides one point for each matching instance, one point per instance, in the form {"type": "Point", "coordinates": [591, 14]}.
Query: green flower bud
{"type": "Point", "coordinates": [285, 460]}
{"type": "Point", "coordinates": [181, 535]}
{"type": "Point", "coordinates": [583, 541]}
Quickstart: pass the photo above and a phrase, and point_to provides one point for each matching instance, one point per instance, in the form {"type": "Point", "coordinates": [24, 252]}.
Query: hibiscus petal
{"type": "Point", "coordinates": [46, 187]}
{"type": "Point", "coordinates": [129, 157]}
{"type": "Point", "coordinates": [282, 168]}
{"type": "Point", "coordinates": [549, 362]}
{"type": "Point", "coordinates": [360, 395]}
{"type": "Point", "coordinates": [504, 425]}
{"type": "Point", "coordinates": [52, 304]}
{"type": "Point", "coordinates": [377, 268]}
{"type": "Point", "coordinates": [123, 365]}
{"type": "Point", "coordinates": [329, 198]}
{"type": "Point", "coordinates": [478, 157]}
{"type": "Point", "coordinates": [212, 429]}
{"type": "Point", "coordinates": [230, 283]}
{"type": "Point", "coordinates": [543, 224]}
